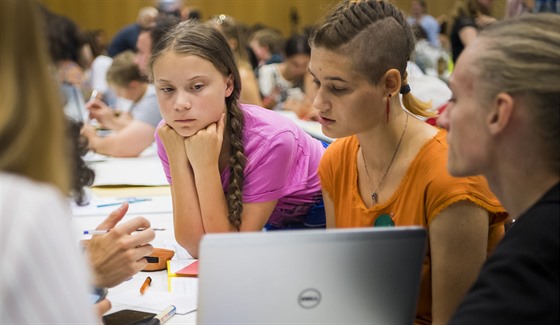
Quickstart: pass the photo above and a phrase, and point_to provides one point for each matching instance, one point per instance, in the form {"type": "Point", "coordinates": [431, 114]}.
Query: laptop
{"type": "Point", "coordinates": [335, 276]}
{"type": "Point", "coordinates": [74, 107]}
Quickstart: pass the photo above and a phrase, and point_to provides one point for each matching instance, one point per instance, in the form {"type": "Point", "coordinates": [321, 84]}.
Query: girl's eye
{"type": "Point", "coordinates": [198, 87]}
{"type": "Point", "coordinates": [166, 90]}
{"type": "Point", "coordinates": [336, 90]}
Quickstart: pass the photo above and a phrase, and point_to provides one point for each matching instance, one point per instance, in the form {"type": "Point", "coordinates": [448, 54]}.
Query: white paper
{"type": "Point", "coordinates": [185, 301]}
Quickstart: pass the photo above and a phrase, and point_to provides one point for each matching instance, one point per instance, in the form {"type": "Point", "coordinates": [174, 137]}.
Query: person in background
{"type": "Point", "coordinates": [133, 130]}
{"type": "Point", "coordinates": [189, 12]}
{"type": "Point", "coordinates": [504, 123]}
{"type": "Point", "coordinates": [267, 45]}
{"type": "Point", "coordinates": [466, 19]}
{"type": "Point", "coordinates": [433, 61]}
{"type": "Point", "coordinates": [170, 8]}
{"type": "Point", "coordinates": [149, 38]}
{"type": "Point", "coordinates": [232, 167]}
{"type": "Point", "coordinates": [287, 85]}
{"type": "Point", "coordinates": [70, 53]}
{"type": "Point", "coordinates": [126, 38]}
{"type": "Point", "coordinates": [541, 6]}
{"type": "Point", "coordinates": [43, 276]}
{"type": "Point", "coordinates": [516, 8]}
{"type": "Point", "coordinates": [387, 167]}
{"type": "Point", "coordinates": [250, 93]}
{"type": "Point", "coordinates": [97, 72]}
{"type": "Point", "coordinates": [419, 16]}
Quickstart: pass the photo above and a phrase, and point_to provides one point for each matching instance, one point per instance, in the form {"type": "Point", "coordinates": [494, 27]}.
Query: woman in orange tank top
{"type": "Point", "coordinates": [388, 167]}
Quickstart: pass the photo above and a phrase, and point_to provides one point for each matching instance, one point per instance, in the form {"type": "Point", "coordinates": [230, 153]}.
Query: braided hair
{"type": "Point", "coordinates": [377, 36]}
{"type": "Point", "coordinates": [194, 38]}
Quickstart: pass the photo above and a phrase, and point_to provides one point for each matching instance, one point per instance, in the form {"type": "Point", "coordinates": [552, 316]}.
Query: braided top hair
{"type": "Point", "coordinates": [378, 38]}
{"type": "Point", "coordinates": [194, 38]}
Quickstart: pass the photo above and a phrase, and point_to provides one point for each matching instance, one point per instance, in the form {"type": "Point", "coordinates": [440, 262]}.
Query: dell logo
{"type": "Point", "coordinates": [309, 298]}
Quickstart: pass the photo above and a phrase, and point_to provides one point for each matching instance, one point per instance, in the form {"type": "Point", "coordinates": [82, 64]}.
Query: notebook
{"type": "Point", "coordinates": [338, 276]}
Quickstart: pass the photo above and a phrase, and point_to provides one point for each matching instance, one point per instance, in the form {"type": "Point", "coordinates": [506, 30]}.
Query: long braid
{"type": "Point", "coordinates": [377, 36]}
{"type": "Point", "coordinates": [237, 161]}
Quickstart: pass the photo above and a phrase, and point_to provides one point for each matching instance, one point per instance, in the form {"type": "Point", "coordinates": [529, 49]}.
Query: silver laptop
{"type": "Point", "coordinates": [75, 105]}
{"type": "Point", "coordinates": [339, 276]}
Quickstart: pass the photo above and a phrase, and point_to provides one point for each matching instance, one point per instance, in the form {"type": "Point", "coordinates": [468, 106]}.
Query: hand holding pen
{"type": "Point", "coordinates": [117, 255]}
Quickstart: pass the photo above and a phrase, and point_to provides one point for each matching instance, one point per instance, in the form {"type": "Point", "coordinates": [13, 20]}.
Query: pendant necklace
{"type": "Point", "coordinates": [374, 195]}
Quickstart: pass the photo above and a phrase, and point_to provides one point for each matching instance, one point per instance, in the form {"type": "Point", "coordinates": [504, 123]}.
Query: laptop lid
{"type": "Point", "coordinates": [336, 276]}
{"type": "Point", "coordinates": [75, 106]}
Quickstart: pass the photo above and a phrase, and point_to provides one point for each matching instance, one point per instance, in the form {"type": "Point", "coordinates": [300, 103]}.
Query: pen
{"type": "Point", "coordinates": [129, 201]}
{"type": "Point", "coordinates": [93, 95]}
{"type": "Point", "coordinates": [101, 232]}
{"type": "Point", "coordinates": [163, 316]}
{"type": "Point", "coordinates": [145, 285]}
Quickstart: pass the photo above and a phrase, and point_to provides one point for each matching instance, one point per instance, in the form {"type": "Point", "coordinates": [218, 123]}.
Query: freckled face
{"type": "Point", "coordinates": [347, 103]}
{"type": "Point", "coordinates": [465, 118]}
{"type": "Point", "coordinates": [191, 92]}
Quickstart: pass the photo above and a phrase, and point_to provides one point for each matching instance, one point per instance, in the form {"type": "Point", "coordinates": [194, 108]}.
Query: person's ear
{"type": "Point", "coordinates": [391, 82]}
{"type": "Point", "coordinates": [229, 85]}
{"type": "Point", "coordinates": [501, 113]}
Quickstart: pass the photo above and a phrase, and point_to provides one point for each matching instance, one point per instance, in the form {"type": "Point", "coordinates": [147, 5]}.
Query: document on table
{"type": "Point", "coordinates": [142, 171]}
{"type": "Point", "coordinates": [185, 301]}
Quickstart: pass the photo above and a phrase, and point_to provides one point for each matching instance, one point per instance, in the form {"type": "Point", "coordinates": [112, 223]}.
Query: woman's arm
{"type": "Point", "coordinates": [128, 142]}
{"type": "Point", "coordinates": [467, 35]}
{"type": "Point", "coordinates": [458, 244]}
{"type": "Point", "coordinates": [329, 210]}
{"type": "Point", "coordinates": [106, 116]}
{"type": "Point", "coordinates": [187, 219]}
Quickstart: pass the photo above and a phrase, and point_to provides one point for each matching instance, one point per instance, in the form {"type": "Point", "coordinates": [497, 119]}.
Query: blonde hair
{"type": "Point", "coordinates": [378, 38]}
{"type": "Point", "coordinates": [521, 56]}
{"type": "Point", "coordinates": [124, 70]}
{"type": "Point", "coordinates": [32, 123]}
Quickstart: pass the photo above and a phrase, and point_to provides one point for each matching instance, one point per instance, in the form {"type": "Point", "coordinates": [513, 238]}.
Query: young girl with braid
{"type": "Point", "coordinates": [388, 168]}
{"type": "Point", "coordinates": [231, 167]}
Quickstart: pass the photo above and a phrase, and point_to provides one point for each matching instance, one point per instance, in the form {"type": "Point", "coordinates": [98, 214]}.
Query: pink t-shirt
{"type": "Point", "coordinates": [282, 164]}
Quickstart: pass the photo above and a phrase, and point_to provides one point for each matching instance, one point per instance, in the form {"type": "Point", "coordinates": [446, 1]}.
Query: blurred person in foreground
{"type": "Point", "coordinates": [35, 218]}
{"type": "Point", "coordinates": [40, 259]}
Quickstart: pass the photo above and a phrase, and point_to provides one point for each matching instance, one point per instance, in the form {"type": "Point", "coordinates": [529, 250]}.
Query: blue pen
{"type": "Point", "coordinates": [129, 201]}
{"type": "Point", "coordinates": [102, 232]}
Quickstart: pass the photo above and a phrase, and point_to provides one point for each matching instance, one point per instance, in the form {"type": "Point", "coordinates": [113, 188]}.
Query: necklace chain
{"type": "Point", "coordinates": [374, 195]}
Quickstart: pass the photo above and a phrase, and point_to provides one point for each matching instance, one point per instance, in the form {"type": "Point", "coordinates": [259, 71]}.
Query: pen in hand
{"type": "Point", "coordinates": [93, 95]}
{"type": "Point", "coordinates": [102, 232]}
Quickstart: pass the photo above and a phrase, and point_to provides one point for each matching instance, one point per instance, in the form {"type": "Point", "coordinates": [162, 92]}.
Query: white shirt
{"type": "Point", "coordinates": [44, 277]}
{"type": "Point", "coordinates": [427, 88]}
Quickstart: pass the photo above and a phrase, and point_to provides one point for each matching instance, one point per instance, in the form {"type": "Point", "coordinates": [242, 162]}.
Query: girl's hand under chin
{"type": "Point", "coordinates": [203, 148]}
{"type": "Point", "coordinates": [173, 142]}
